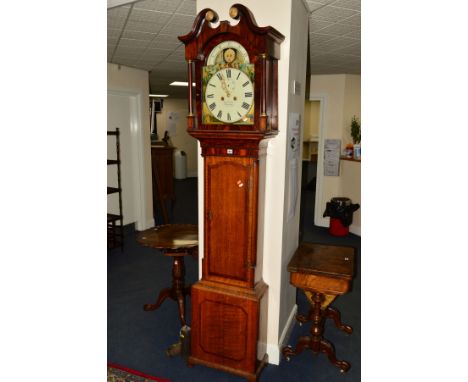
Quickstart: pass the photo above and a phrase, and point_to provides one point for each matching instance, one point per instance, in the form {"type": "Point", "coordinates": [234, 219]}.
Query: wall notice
{"type": "Point", "coordinates": [331, 161]}
{"type": "Point", "coordinates": [293, 151]}
{"type": "Point", "coordinates": [172, 119]}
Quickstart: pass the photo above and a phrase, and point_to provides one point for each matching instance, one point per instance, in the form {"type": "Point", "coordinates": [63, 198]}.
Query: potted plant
{"type": "Point", "coordinates": [356, 135]}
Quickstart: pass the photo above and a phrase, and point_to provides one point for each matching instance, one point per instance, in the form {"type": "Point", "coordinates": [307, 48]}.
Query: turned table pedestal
{"type": "Point", "coordinates": [175, 241]}
{"type": "Point", "coordinates": [323, 272]}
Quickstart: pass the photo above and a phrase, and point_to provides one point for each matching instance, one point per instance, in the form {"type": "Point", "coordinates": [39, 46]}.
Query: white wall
{"type": "Point", "coordinates": [342, 96]}
{"type": "Point", "coordinates": [311, 119]}
{"type": "Point", "coordinates": [297, 71]}
{"type": "Point", "coordinates": [279, 237]}
{"type": "Point", "coordinates": [181, 140]}
{"type": "Point", "coordinates": [130, 87]}
{"type": "Point", "coordinates": [350, 187]}
{"type": "Point", "coordinates": [352, 104]}
{"type": "Point", "coordinates": [351, 171]}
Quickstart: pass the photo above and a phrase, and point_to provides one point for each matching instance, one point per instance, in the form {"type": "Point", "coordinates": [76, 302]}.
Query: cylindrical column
{"type": "Point", "coordinates": [264, 93]}
{"type": "Point", "coordinates": [190, 101]}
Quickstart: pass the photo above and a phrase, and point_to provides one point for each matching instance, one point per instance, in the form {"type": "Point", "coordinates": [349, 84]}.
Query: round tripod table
{"type": "Point", "coordinates": [175, 241]}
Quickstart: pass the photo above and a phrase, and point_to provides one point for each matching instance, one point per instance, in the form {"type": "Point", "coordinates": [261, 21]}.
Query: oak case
{"type": "Point", "coordinates": [226, 302]}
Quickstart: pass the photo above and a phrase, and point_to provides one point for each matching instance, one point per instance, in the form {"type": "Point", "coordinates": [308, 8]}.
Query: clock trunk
{"type": "Point", "coordinates": [231, 219]}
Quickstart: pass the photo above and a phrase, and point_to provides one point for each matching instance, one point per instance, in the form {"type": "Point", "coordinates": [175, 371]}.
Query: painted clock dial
{"type": "Point", "coordinates": [229, 96]}
{"type": "Point", "coordinates": [228, 52]}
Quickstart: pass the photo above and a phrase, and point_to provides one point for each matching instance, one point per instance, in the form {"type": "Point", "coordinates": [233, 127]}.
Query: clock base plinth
{"type": "Point", "coordinates": [225, 327]}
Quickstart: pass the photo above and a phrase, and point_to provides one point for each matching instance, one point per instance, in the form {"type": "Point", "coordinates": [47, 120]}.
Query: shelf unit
{"type": "Point", "coordinates": [310, 149]}
{"type": "Point", "coordinates": [163, 178]}
{"type": "Point", "coordinates": [115, 235]}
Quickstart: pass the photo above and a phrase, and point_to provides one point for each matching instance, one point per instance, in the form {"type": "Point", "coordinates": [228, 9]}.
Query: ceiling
{"type": "Point", "coordinates": [143, 34]}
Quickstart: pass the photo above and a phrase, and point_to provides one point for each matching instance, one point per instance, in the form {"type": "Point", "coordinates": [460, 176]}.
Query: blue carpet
{"type": "Point", "coordinates": [139, 339]}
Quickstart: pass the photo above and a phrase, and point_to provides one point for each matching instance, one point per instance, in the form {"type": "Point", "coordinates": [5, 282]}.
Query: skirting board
{"type": "Point", "coordinates": [356, 229]}
{"type": "Point", "coordinates": [148, 224]}
{"type": "Point", "coordinates": [274, 350]}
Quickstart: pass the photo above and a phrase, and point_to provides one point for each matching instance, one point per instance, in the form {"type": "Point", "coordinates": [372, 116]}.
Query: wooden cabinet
{"type": "Point", "coordinates": [162, 163]}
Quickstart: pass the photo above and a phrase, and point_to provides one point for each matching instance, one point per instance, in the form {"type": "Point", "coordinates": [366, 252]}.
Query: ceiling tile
{"type": "Point", "coordinates": [127, 42]}
{"type": "Point", "coordinates": [348, 4]}
{"type": "Point", "coordinates": [317, 25]}
{"type": "Point", "coordinates": [136, 35]}
{"type": "Point", "coordinates": [132, 51]}
{"type": "Point", "coordinates": [338, 29]}
{"type": "Point", "coordinates": [354, 50]}
{"type": "Point", "coordinates": [341, 59]}
{"type": "Point", "coordinates": [115, 23]}
{"type": "Point", "coordinates": [188, 7]}
{"type": "Point", "coordinates": [318, 38]}
{"type": "Point", "coordinates": [318, 3]}
{"type": "Point", "coordinates": [172, 65]}
{"type": "Point", "coordinates": [330, 13]}
{"type": "Point", "coordinates": [151, 64]}
{"type": "Point", "coordinates": [327, 59]}
{"type": "Point", "coordinates": [156, 54]}
{"type": "Point", "coordinates": [314, 5]}
{"type": "Point", "coordinates": [143, 27]}
{"type": "Point", "coordinates": [179, 25]}
{"type": "Point", "coordinates": [177, 58]}
{"type": "Point", "coordinates": [144, 66]}
{"type": "Point", "coordinates": [353, 20]}
{"type": "Point", "coordinates": [126, 60]}
{"type": "Point", "coordinates": [118, 12]}
{"type": "Point", "coordinates": [354, 34]}
{"type": "Point", "coordinates": [158, 5]}
{"type": "Point", "coordinates": [163, 41]}
{"type": "Point", "coordinates": [340, 42]}
{"type": "Point", "coordinates": [145, 16]}
{"type": "Point", "coordinates": [113, 33]}
{"type": "Point", "coordinates": [162, 76]}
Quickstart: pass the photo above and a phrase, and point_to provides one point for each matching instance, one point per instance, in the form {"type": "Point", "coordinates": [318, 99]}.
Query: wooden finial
{"type": "Point", "coordinates": [211, 16]}
{"type": "Point", "coordinates": [234, 12]}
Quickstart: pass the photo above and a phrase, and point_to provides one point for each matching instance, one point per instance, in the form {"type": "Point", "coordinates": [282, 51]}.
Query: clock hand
{"type": "Point", "coordinates": [224, 86]}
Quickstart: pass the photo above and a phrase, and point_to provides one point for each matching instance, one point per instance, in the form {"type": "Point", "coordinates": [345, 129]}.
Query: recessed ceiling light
{"type": "Point", "coordinates": [180, 83]}
{"type": "Point", "coordinates": [159, 95]}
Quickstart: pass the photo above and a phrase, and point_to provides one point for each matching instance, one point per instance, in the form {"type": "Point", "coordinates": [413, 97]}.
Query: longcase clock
{"type": "Point", "coordinates": [235, 107]}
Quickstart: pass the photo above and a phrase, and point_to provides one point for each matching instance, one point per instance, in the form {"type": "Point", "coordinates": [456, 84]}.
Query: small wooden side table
{"type": "Point", "coordinates": [176, 241]}
{"type": "Point", "coordinates": [323, 272]}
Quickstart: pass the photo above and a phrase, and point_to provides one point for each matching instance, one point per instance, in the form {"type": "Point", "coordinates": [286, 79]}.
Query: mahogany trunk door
{"type": "Point", "coordinates": [230, 198]}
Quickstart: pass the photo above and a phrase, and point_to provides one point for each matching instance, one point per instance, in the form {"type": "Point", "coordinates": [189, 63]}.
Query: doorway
{"type": "Point", "coordinates": [124, 111]}
{"type": "Point", "coordinates": [312, 163]}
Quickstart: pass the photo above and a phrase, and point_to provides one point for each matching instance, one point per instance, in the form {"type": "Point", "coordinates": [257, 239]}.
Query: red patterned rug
{"type": "Point", "coordinates": [118, 373]}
